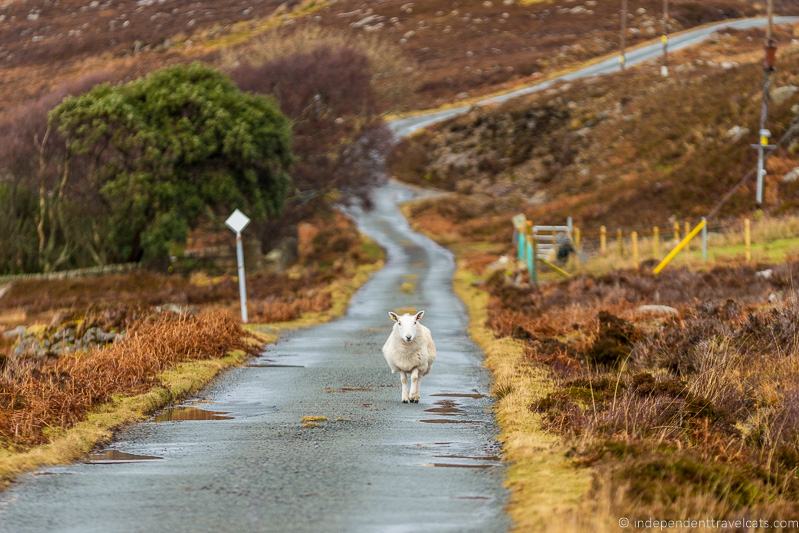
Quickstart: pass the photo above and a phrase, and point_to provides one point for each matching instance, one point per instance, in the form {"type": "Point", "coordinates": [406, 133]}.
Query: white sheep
{"type": "Point", "coordinates": [409, 350]}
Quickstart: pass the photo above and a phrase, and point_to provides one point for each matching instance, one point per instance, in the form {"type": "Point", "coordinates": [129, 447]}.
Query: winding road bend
{"type": "Point", "coordinates": [635, 55]}
{"type": "Point", "coordinates": [374, 465]}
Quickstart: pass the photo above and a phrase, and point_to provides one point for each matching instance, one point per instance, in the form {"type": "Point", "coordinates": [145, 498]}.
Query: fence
{"type": "Point", "coordinates": [654, 247]}
{"type": "Point", "coordinates": [75, 273]}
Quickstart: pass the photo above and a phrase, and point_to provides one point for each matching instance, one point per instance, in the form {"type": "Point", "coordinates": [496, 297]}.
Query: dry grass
{"type": "Point", "coordinates": [390, 68]}
{"type": "Point", "coordinates": [609, 150]}
{"type": "Point", "coordinates": [99, 424]}
{"type": "Point", "coordinates": [58, 394]}
{"type": "Point", "coordinates": [694, 414]}
{"type": "Point", "coordinates": [542, 480]}
{"type": "Point", "coordinates": [665, 417]}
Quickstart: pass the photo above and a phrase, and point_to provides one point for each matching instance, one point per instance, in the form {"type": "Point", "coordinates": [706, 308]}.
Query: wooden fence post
{"type": "Point", "coordinates": [603, 240]}
{"type": "Point", "coordinates": [747, 239]}
{"type": "Point", "coordinates": [676, 231]}
{"type": "Point", "coordinates": [620, 242]}
{"type": "Point", "coordinates": [634, 243]}
{"type": "Point", "coordinates": [656, 241]}
{"type": "Point", "coordinates": [687, 231]}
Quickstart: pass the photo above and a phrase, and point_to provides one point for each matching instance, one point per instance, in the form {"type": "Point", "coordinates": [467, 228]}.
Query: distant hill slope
{"type": "Point", "coordinates": [460, 47]}
{"type": "Point", "coordinates": [629, 149]}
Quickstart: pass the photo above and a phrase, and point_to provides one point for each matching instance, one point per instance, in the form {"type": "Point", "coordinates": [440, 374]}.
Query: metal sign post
{"type": "Point", "coordinates": [237, 221]}
{"type": "Point", "coordinates": [763, 147]}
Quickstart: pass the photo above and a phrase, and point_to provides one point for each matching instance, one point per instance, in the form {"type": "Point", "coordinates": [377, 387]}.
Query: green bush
{"type": "Point", "coordinates": [166, 149]}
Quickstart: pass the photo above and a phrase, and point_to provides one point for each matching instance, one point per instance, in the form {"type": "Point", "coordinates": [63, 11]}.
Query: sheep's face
{"type": "Point", "coordinates": [405, 325]}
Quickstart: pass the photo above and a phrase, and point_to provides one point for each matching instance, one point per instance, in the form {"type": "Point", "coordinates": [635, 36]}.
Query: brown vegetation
{"type": "Point", "coordinates": [35, 399]}
{"type": "Point", "coordinates": [467, 47]}
{"type": "Point", "coordinates": [677, 415]}
{"type": "Point", "coordinates": [334, 252]}
{"type": "Point", "coordinates": [627, 149]}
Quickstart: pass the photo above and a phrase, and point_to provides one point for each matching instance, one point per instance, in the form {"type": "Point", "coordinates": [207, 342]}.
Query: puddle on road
{"type": "Point", "coordinates": [472, 457]}
{"type": "Point", "coordinates": [273, 365]}
{"type": "Point", "coordinates": [448, 421]}
{"type": "Point", "coordinates": [116, 456]}
{"type": "Point", "coordinates": [446, 407]}
{"type": "Point", "coordinates": [457, 465]}
{"type": "Point", "coordinates": [475, 395]}
{"type": "Point", "coordinates": [348, 389]}
{"type": "Point", "coordinates": [174, 414]}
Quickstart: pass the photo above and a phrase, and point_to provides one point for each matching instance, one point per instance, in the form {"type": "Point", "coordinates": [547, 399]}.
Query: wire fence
{"type": "Point", "coordinates": [568, 248]}
{"type": "Point", "coordinates": [74, 273]}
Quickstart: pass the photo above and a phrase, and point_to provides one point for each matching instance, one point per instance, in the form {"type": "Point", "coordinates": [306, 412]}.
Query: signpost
{"type": "Point", "coordinates": [237, 221]}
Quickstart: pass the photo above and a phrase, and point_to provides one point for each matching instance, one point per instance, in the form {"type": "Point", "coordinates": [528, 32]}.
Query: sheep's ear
{"type": "Point", "coordinates": [419, 315]}
{"type": "Point", "coordinates": [393, 316]}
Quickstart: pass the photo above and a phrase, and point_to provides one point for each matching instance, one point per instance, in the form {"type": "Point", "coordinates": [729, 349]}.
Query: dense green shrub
{"type": "Point", "coordinates": [165, 149]}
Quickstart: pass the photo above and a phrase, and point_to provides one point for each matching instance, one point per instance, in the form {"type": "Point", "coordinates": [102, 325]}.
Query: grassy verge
{"type": "Point", "coordinates": [172, 385]}
{"type": "Point", "coordinates": [98, 427]}
{"type": "Point", "coordinates": [541, 479]}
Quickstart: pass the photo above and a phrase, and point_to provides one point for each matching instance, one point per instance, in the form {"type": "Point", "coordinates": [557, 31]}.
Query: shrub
{"type": "Point", "coordinates": [326, 88]}
{"type": "Point", "coordinates": [177, 144]}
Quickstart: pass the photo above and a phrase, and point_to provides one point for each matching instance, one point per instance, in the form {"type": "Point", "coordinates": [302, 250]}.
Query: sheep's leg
{"type": "Point", "coordinates": [404, 380]}
{"type": "Point", "coordinates": [415, 382]}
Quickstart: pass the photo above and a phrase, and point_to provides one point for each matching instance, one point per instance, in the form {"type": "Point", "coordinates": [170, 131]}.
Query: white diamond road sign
{"type": "Point", "coordinates": [237, 221]}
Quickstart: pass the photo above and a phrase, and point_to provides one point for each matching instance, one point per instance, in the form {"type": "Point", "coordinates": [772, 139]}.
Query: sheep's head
{"type": "Point", "coordinates": [405, 325]}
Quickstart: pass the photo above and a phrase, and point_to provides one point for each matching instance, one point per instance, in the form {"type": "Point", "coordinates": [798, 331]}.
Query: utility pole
{"type": "Point", "coordinates": [623, 39]}
{"type": "Point", "coordinates": [764, 134]}
{"type": "Point", "coordinates": [664, 68]}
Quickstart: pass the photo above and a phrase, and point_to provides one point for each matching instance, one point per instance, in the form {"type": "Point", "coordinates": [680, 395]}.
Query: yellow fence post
{"type": "Point", "coordinates": [656, 241]}
{"type": "Point", "coordinates": [677, 249]}
{"type": "Point", "coordinates": [603, 240]}
{"type": "Point", "coordinates": [747, 239]}
{"type": "Point", "coordinates": [620, 242]}
{"type": "Point", "coordinates": [577, 239]}
{"type": "Point", "coordinates": [634, 242]}
{"type": "Point", "coordinates": [676, 231]}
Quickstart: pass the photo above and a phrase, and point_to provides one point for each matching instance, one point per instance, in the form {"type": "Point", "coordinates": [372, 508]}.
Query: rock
{"type": "Point", "coordinates": [736, 133]}
{"type": "Point", "coordinates": [16, 333]}
{"type": "Point", "coordinates": [765, 274]}
{"type": "Point", "coordinates": [501, 264]}
{"type": "Point", "coordinates": [791, 176]}
{"type": "Point", "coordinates": [663, 310]}
{"type": "Point", "coordinates": [773, 298]}
{"type": "Point", "coordinates": [780, 95]}
{"type": "Point", "coordinates": [176, 309]}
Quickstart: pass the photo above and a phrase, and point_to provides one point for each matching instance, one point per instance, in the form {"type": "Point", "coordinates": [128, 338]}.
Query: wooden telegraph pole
{"type": "Point", "coordinates": [764, 134]}
{"type": "Point", "coordinates": [664, 68]}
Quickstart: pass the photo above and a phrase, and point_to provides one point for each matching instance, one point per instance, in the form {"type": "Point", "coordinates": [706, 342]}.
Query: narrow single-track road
{"type": "Point", "coordinates": [375, 464]}
{"type": "Point", "coordinates": [237, 457]}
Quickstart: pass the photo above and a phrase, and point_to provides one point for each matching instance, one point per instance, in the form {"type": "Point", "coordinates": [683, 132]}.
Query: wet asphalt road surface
{"type": "Point", "coordinates": [375, 464]}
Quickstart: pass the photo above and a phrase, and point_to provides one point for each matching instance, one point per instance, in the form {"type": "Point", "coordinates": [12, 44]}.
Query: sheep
{"type": "Point", "coordinates": [409, 349]}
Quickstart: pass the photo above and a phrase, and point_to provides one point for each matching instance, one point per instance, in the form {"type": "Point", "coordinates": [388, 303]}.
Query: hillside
{"type": "Point", "coordinates": [629, 149]}
{"type": "Point", "coordinates": [459, 48]}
